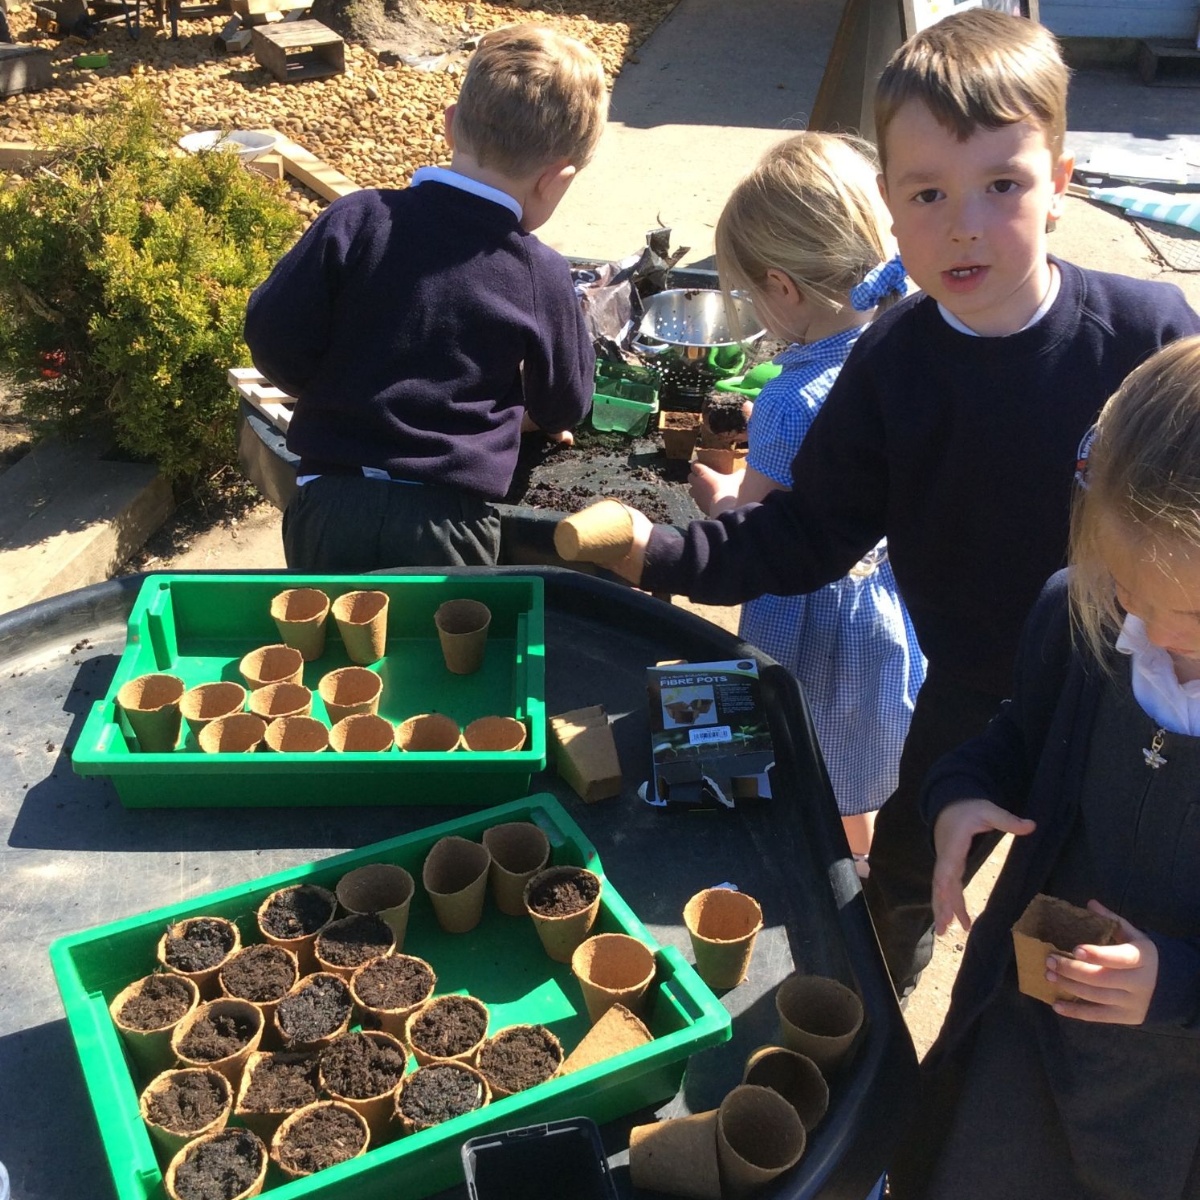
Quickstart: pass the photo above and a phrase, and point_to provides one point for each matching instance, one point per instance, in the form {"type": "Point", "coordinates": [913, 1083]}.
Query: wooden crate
{"type": "Point", "coordinates": [1169, 62]}
{"type": "Point", "coordinates": [298, 50]}
{"type": "Point", "coordinates": [23, 69]}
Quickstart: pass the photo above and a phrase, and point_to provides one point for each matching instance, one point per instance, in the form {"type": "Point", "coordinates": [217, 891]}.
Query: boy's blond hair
{"type": "Point", "coordinates": [531, 97]}
{"type": "Point", "coordinates": [1141, 483]}
{"type": "Point", "coordinates": [978, 69]}
{"type": "Point", "coordinates": [810, 209]}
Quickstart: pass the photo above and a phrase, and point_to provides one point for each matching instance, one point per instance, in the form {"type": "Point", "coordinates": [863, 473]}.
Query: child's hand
{"type": "Point", "coordinates": [953, 831]}
{"type": "Point", "coordinates": [630, 567]}
{"type": "Point", "coordinates": [564, 437]}
{"type": "Point", "coordinates": [1114, 984]}
{"type": "Point", "coordinates": [712, 491]}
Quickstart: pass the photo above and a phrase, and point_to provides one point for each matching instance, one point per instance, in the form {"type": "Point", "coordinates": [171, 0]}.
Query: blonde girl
{"type": "Point", "coordinates": [1095, 765]}
{"type": "Point", "coordinates": [804, 236]}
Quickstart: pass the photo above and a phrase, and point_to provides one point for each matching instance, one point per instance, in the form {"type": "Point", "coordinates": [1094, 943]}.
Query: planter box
{"type": "Point", "coordinates": [501, 962]}
{"type": "Point", "coordinates": [199, 626]}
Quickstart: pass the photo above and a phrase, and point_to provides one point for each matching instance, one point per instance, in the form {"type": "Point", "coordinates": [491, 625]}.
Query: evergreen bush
{"type": "Point", "coordinates": [125, 268]}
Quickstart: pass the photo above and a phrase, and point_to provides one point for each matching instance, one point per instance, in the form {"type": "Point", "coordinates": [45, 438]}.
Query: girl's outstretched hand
{"type": "Point", "coordinates": [712, 491]}
{"type": "Point", "coordinates": [953, 831]}
{"type": "Point", "coordinates": [630, 567]}
{"type": "Point", "coordinates": [1113, 984]}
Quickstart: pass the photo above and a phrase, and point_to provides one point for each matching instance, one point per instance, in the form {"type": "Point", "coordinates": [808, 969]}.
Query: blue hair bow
{"type": "Point", "coordinates": [885, 279]}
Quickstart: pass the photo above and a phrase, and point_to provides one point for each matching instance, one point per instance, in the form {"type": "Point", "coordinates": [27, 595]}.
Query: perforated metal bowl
{"type": "Point", "coordinates": [689, 322]}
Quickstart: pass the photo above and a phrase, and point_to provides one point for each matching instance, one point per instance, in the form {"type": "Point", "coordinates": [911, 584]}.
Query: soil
{"type": "Point", "coordinates": [398, 981]}
{"type": "Point", "coordinates": [282, 1083]}
{"type": "Point", "coordinates": [355, 940]}
{"type": "Point", "coordinates": [438, 1092]}
{"type": "Point", "coordinates": [221, 1168]}
{"type": "Point", "coordinates": [216, 1036]}
{"type": "Point", "coordinates": [450, 1026]}
{"type": "Point", "coordinates": [519, 1058]}
{"type": "Point", "coordinates": [259, 974]}
{"type": "Point", "coordinates": [319, 1008]}
{"type": "Point", "coordinates": [359, 1067]}
{"type": "Point", "coordinates": [162, 1001]}
{"type": "Point", "coordinates": [562, 895]}
{"type": "Point", "coordinates": [297, 912]}
{"type": "Point", "coordinates": [320, 1139]}
{"type": "Point", "coordinates": [724, 413]}
{"type": "Point", "coordinates": [189, 1102]}
{"type": "Point", "coordinates": [199, 945]}
{"type": "Point", "coordinates": [679, 420]}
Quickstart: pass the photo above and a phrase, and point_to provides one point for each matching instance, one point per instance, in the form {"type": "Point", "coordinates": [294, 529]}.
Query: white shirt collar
{"type": "Point", "coordinates": [1156, 687]}
{"type": "Point", "coordinates": [1043, 309]}
{"type": "Point", "coordinates": [464, 184]}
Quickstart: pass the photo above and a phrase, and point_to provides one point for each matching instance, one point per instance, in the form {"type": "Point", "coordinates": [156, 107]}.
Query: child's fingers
{"type": "Point", "coordinates": [1089, 959]}
{"type": "Point", "coordinates": [1098, 1014]}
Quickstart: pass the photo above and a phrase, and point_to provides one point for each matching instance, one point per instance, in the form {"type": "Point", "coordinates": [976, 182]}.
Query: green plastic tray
{"type": "Point", "coordinates": [501, 962]}
{"type": "Point", "coordinates": [199, 626]}
{"type": "Point", "coordinates": [625, 399]}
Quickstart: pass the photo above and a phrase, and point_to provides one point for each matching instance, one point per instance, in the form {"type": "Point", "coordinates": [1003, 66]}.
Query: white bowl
{"type": "Point", "coordinates": [245, 144]}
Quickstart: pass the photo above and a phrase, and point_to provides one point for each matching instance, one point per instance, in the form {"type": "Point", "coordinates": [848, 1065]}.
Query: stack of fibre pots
{"type": "Point", "coordinates": [302, 1037]}
{"type": "Point", "coordinates": [272, 708]}
{"type": "Point", "coordinates": [760, 1128]}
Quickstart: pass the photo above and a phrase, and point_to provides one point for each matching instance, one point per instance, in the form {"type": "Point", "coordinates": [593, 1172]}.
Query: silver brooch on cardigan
{"type": "Point", "coordinates": [1151, 754]}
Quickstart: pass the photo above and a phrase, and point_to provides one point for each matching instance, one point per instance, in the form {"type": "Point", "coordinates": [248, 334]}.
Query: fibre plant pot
{"type": "Point", "coordinates": [276, 663]}
{"type": "Point", "coordinates": [613, 968]}
{"type": "Point", "coordinates": [439, 1092]}
{"type": "Point", "coordinates": [428, 733]}
{"type": "Point", "coordinates": [1050, 925]}
{"type": "Point", "coordinates": [197, 948]}
{"type": "Point", "coordinates": [314, 1013]}
{"type": "Point", "coordinates": [317, 1136]}
{"type": "Point", "coordinates": [300, 614]}
{"type": "Point", "coordinates": [362, 619]}
{"type": "Point", "coordinates": [346, 944]}
{"type": "Point", "coordinates": [151, 706]}
{"type": "Point", "coordinates": [796, 1078]}
{"type": "Point", "coordinates": [759, 1136]}
{"type": "Point", "coordinates": [262, 974]}
{"type": "Point", "coordinates": [455, 875]}
{"type": "Point", "coordinates": [181, 1105]}
{"type": "Point", "coordinates": [200, 705]}
{"type": "Point", "coordinates": [563, 902]}
{"type": "Point", "coordinates": [725, 460]}
{"type": "Point", "coordinates": [146, 1013]}
{"type": "Point", "coordinates": [819, 1018]}
{"type": "Point", "coordinates": [363, 733]}
{"type": "Point", "coordinates": [519, 850]}
{"type": "Point", "coordinates": [677, 1157]}
{"type": "Point", "coordinates": [281, 700]}
{"type": "Point", "coordinates": [274, 1085]}
{"type": "Point", "coordinates": [518, 1058]}
{"type": "Point", "coordinates": [220, 1034]}
{"type": "Point", "coordinates": [241, 733]}
{"type": "Point", "coordinates": [349, 691]}
{"type": "Point", "coordinates": [293, 916]}
{"type": "Point", "coordinates": [723, 926]}
{"type": "Point", "coordinates": [600, 533]}
{"type": "Point", "coordinates": [381, 888]}
{"type": "Point", "coordinates": [447, 1028]}
{"type": "Point", "coordinates": [679, 431]}
{"type": "Point", "coordinates": [462, 629]}
{"type": "Point", "coordinates": [364, 1070]}
{"type": "Point", "coordinates": [495, 735]}
{"type": "Point", "coordinates": [616, 1032]}
{"type": "Point", "coordinates": [230, 1164]}
{"type": "Point", "coordinates": [387, 991]}
{"type": "Point", "coordinates": [296, 735]}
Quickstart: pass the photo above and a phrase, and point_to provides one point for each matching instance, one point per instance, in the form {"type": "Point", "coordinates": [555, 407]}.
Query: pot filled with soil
{"type": "Point", "coordinates": [200, 705]}
{"type": "Point", "coordinates": [346, 944]}
{"type": "Point", "coordinates": [613, 968]}
{"type": "Point", "coordinates": [293, 916]}
{"type": "Point", "coordinates": [275, 1084]}
{"type": "Point", "coordinates": [439, 1092]}
{"type": "Point", "coordinates": [362, 621]}
{"type": "Point", "coordinates": [679, 431]}
{"type": "Point", "coordinates": [364, 1070]}
{"type": "Point", "coordinates": [519, 1058]}
{"type": "Point", "coordinates": [197, 948]}
{"type": "Point", "coordinates": [389, 990]}
{"type": "Point", "coordinates": [181, 1105]}
{"type": "Point", "coordinates": [241, 733]}
{"type": "Point", "coordinates": [296, 735]}
{"type": "Point", "coordinates": [271, 664]}
{"type": "Point", "coordinates": [262, 974]}
{"type": "Point", "coordinates": [447, 1027]}
{"type": "Point", "coordinates": [315, 1012]}
{"type": "Point", "coordinates": [220, 1034]}
{"type": "Point", "coordinates": [381, 888]}
{"type": "Point", "coordinates": [299, 614]}
{"type": "Point", "coordinates": [146, 1013]}
{"type": "Point", "coordinates": [428, 733]}
{"type": "Point", "coordinates": [723, 419]}
{"type": "Point", "coordinates": [350, 691]}
{"type": "Point", "coordinates": [455, 875]}
{"type": "Point", "coordinates": [281, 700]}
{"type": "Point", "coordinates": [364, 733]}
{"type": "Point", "coordinates": [563, 902]}
{"type": "Point", "coordinates": [230, 1164]}
{"type": "Point", "coordinates": [519, 850]}
{"type": "Point", "coordinates": [317, 1136]}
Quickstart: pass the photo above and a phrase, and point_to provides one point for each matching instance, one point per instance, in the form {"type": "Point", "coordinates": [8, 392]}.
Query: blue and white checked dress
{"type": "Point", "coordinates": [851, 643]}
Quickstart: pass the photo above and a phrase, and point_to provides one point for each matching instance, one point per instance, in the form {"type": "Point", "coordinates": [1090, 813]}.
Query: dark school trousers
{"type": "Point", "coordinates": [348, 524]}
{"type": "Point", "coordinates": [899, 888]}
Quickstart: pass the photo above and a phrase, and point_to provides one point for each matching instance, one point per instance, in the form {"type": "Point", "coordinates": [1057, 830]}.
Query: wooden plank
{"type": "Point", "coordinates": [325, 180]}
{"type": "Point", "coordinates": [22, 154]}
{"type": "Point", "coordinates": [23, 69]}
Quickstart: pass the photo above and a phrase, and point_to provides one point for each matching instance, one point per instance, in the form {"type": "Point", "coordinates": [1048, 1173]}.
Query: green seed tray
{"type": "Point", "coordinates": [500, 962]}
{"type": "Point", "coordinates": [199, 626]}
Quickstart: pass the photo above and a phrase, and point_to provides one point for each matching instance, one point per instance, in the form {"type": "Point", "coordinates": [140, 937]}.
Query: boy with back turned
{"type": "Point", "coordinates": [955, 425]}
{"type": "Point", "coordinates": [422, 329]}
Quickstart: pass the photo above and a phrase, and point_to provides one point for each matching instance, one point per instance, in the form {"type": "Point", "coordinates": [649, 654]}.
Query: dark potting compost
{"type": "Point", "coordinates": [320, 1138]}
{"type": "Point", "coordinates": [199, 944]}
{"type": "Point", "coordinates": [215, 1036]}
{"type": "Point", "coordinates": [317, 1009]}
{"type": "Point", "coordinates": [519, 1058]}
{"type": "Point", "coordinates": [282, 1083]}
{"type": "Point", "coordinates": [221, 1168]}
{"type": "Point", "coordinates": [562, 895]}
{"type": "Point", "coordinates": [398, 981]}
{"type": "Point", "coordinates": [448, 1027]}
{"type": "Point", "coordinates": [724, 413]}
{"type": "Point", "coordinates": [189, 1102]}
{"type": "Point", "coordinates": [355, 940]}
{"type": "Point", "coordinates": [297, 911]}
{"type": "Point", "coordinates": [438, 1092]}
{"type": "Point", "coordinates": [360, 1067]}
{"type": "Point", "coordinates": [259, 973]}
{"type": "Point", "coordinates": [161, 1002]}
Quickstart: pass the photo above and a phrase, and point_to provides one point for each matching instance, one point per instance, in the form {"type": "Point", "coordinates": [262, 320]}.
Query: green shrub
{"type": "Point", "coordinates": [124, 274]}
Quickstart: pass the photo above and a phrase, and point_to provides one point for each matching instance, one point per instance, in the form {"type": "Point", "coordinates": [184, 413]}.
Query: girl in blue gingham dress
{"type": "Point", "coordinates": [804, 236]}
